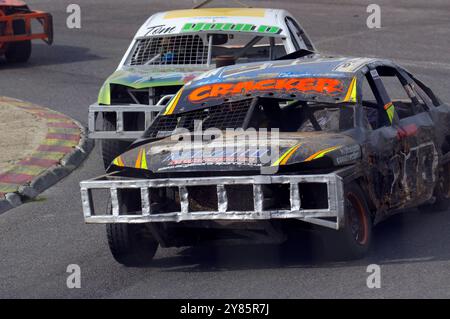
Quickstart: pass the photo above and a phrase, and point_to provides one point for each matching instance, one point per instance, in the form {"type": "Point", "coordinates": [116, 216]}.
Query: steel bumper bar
{"type": "Point", "coordinates": [331, 217]}
{"type": "Point", "coordinates": [97, 111]}
{"type": "Point", "coordinates": [45, 19]}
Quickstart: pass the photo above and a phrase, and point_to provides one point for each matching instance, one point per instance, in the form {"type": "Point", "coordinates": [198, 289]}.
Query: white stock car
{"type": "Point", "coordinates": [172, 48]}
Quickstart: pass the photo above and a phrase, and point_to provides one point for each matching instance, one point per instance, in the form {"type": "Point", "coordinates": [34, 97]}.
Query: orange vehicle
{"type": "Point", "coordinates": [16, 22]}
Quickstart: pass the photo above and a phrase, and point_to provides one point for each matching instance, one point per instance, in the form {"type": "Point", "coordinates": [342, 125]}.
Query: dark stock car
{"type": "Point", "coordinates": [357, 139]}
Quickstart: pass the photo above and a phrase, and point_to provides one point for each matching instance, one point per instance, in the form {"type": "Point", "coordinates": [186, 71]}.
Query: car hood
{"type": "Point", "coordinates": [147, 77]}
{"type": "Point", "coordinates": [240, 151]}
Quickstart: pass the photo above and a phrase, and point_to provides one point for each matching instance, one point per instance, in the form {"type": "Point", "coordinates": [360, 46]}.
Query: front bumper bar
{"type": "Point", "coordinates": [45, 19]}
{"type": "Point", "coordinates": [331, 217]}
{"type": "Point", "coordinates": [96, 130]}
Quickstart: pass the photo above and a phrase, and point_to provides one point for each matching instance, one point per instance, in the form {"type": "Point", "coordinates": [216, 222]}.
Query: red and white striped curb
{"type": "Point", "coordinates": [63, 149]}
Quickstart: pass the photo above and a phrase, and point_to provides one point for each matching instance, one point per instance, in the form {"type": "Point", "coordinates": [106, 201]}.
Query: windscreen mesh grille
{"type": "Point", "coordinates": [182, 50]}
{"type": "Point", "coordinates": [227, 115]}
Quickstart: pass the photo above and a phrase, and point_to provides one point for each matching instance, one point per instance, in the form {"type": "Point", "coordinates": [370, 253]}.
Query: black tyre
{"type": "Point", "coordinates": [353, 240]}
{"type": "Point", "coordinates": [111, 148]}
{"type": "Point", "coordinates": [131, 245]}
{"type": "Point", "coordinates": [18, 52]}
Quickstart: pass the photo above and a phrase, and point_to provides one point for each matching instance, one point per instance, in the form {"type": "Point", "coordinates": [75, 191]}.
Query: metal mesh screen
{"type": "Point", "coordinates": [227, 115]}
{"type": "Point", "coordinates": [184, 49]}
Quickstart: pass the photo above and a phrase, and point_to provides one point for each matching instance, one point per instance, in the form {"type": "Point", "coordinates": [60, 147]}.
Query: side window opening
{"type": "Point", "coordinates": [367, 93]}
{"type": "Point", "coordinates": [371, 104]}
{"type": "Point", "coordinates": [294, 37]}
{"type": "Point", "coordinates": [386, 85]}
{"type": "Point", "coordinates": [406, 102]}
{"type": "Point", "coordinates": [422, 98]}
{"type": "Point", "coordinates": [402, 102]}
{"type": "Point", "coordinates": [299, 35]}
{"type": "Point", "coordinates": [247, 48]}
{"type": "Point", "coordinates": [425, 95]}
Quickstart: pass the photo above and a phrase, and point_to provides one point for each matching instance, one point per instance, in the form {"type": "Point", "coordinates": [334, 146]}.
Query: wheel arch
{"type": "Point", "coordinates": [363, 184]}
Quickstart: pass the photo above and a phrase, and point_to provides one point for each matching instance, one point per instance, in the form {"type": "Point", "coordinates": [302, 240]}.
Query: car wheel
{"type": "Point", "coordinates": [131, 245]}
{"type": "Point", "coordinates": [18, 52]}
{"type": "Point", "coordinates": [353, 240]}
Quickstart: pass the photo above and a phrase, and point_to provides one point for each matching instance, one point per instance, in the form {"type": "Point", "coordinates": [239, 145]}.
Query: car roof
{"type": "Point", "coordinates": [314, 66]}
{"type": "Point", "coordinates": [175, 20]}
{"type": "Point", "coordinates": [221, 12]}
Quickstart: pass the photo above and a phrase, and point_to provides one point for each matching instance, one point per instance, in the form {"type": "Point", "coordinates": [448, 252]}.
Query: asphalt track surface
{"type": "Point", "coordinates": [40, 239]}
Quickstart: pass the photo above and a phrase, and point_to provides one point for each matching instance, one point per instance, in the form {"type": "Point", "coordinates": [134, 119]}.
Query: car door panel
{"type": "Point", "coordinates": [419, 155]}
{"type": "Point", "coordinates": [404, 154]}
